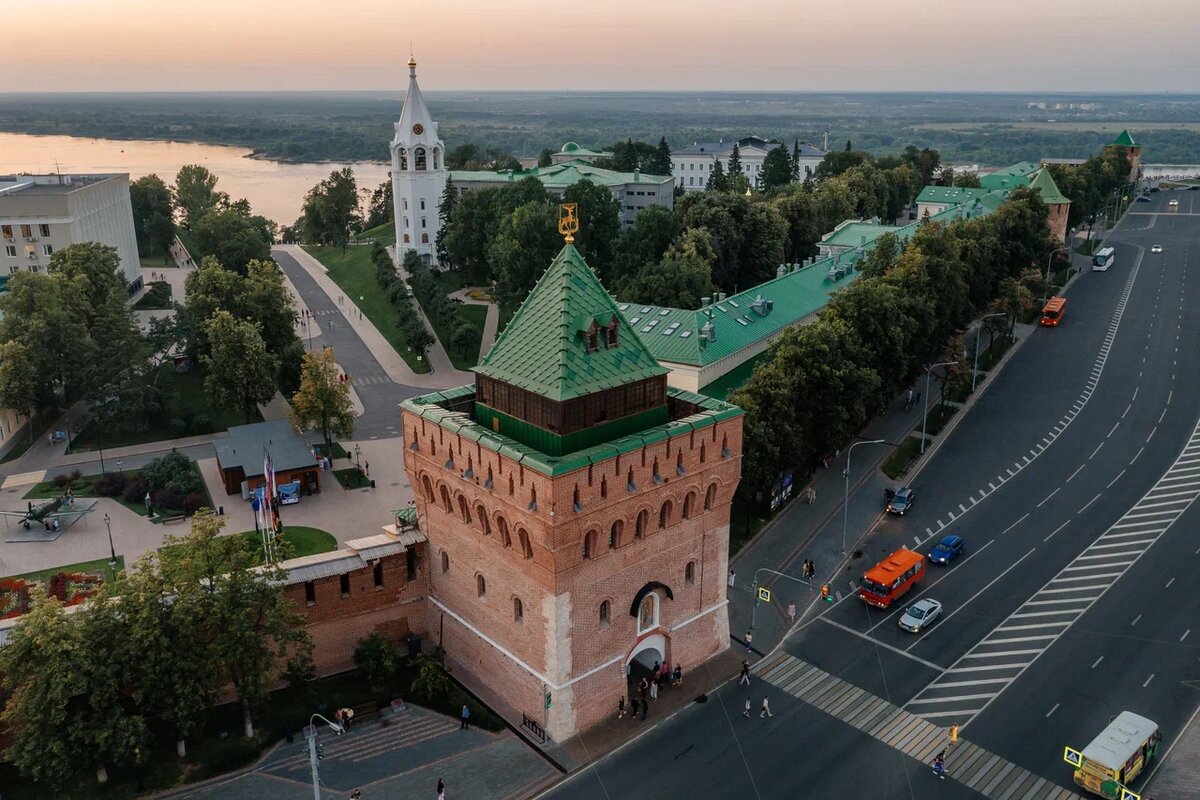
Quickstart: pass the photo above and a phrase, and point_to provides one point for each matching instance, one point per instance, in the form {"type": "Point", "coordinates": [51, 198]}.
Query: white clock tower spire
{"type": "Point", "coordinates": [418, 174]}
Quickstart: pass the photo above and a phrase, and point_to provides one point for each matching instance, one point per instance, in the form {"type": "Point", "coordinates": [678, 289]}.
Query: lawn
{"type": "Point", "coordinates": [84, 487]}
{"type": "Point", "coordinates": [153, 262]}
{"type": "Point", "coordinates": [354, 273]}
{"type": "Point", "coordinates": [157, 296]}
{"type": "Point", "coordinates": [385, 233]}
{"type": "Point", "coordinates": [937, 419]}
{"type": "Point", "coordinates": [188, 414]}
{"type": "Point", "coordinates": [338, 450]}
{"type": "Point", "coordinates": [351, 478]}
{"type": "Point", "coordinates": [304, 541]}
{"type": "Point", "coordinates": [902, 457]}
{"type": "Point", "coordinates": [99, 566]}
{"type": "Point", "coordinates": [473, 315]}
{"type": "Point", "coordinates": [989, 357]}
{"type": "Point", "coordinates": [450, 281]}
{"type": "Point", "coordinates": [18, 449]}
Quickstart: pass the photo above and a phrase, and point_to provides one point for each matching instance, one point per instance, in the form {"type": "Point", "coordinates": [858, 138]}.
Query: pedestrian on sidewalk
{"type": "Point", "coordinates": [633, 707]}
{"type": "Point", "coordinates": [908, 399]}
{"type": "Point", "coordinates": [810, 495]}
{"type": "Point", "coordinates": [654, 690]}
{"type": "Point", "coordinates": [356, 795]}
{"type": "Point", "coordinates": [746, 709]}
{"type": "Point", "coordinates": [645, 708]}
{"type": "Point", "coordinates": [466, 718]}
{"type": "Point", "coordinates": [939, 765]}
{"type": "Point", "coordinates": [620, 706]}
{"type": "Point", "coordinates": [745, 676]}
{"type": "Point", "coordinates": [654, 675]}
{"type": "Point", "coordinates": [677, 678]}
{"type": "Point", "coordinates": [766, 709]}
{"type": "Point", "coordinates": [749, 639]}
{"type": "Point", "coordinates": [732, 576]}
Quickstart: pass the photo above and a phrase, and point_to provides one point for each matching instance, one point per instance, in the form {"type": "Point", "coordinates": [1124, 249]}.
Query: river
{"type": "Point", "coordinates": [274, 190]}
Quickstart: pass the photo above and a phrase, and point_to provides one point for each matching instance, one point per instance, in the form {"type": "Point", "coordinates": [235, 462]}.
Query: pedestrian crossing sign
{"type": "Point", "coordinates": [764, 595]}
{"type": "Point", "coordinates": [1072, 757]}
{"type": "Point", "coordinates": [1128, 795]}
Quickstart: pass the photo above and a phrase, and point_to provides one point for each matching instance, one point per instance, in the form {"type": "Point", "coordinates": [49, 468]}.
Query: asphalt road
{"type": "Point", "coordinates": [1084, 422]}
{"type": "Point", "coordinates": [380, 396]}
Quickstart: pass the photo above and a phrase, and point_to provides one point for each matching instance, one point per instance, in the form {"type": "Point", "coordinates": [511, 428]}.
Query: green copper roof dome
{"type": "Point", "coordinates": [1125, 140]}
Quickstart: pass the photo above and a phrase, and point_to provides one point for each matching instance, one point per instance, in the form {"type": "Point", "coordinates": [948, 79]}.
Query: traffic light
{"type": "Point", "coordinates": [547, 701]}
{"type": "Point", "coordinates": [320, 752]}
{"type": "Point", "coordinates": [826, 595]}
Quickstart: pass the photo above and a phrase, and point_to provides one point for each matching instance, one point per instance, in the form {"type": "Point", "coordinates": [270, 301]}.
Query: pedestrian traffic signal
{"type": "Point", "coordinates": [826, 595]}
{"type": "Point", "coordinates": [547, 701]}
{"type": "Point", "coordinates": [764, 594]}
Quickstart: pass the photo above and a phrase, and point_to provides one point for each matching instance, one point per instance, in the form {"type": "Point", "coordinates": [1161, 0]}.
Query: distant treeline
{"type": "Point", "coordinates": [358, 126]}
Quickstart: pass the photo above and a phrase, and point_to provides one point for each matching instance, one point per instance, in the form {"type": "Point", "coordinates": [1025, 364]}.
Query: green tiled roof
{"type": "Point", "coordinates": [1125, 140]}
{"type": "Point", "coordinates": [427, 406]}
{"type": "Point", "coordinates": [1047, 188]}
{"type": "Point", "coordinates": [568, 173]}
{"type": "Point", "coordinates": [954, 195]}
{"type": "Point", "coordinates": [1009, 177]}
{"type": "Point", "coordinates": [574, 149]}
{"type": "Point", "coordinates": [544, 350]}
{"type": "Point", "coordinates": [854, 234]}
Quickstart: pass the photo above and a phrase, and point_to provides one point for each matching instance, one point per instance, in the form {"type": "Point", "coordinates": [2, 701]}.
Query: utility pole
{"type": "Point", "coordinates": [925, 413]}
{"type": "Point", "coordinates": [846, 490]}
{"type": "Point", "coordinates": [314, 754]}
{"type": "Point", "coordinates": [979, 330]}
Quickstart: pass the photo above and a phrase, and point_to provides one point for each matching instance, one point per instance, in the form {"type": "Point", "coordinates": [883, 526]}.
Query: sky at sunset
{"type": "Point", "coordinates": [185, 45]}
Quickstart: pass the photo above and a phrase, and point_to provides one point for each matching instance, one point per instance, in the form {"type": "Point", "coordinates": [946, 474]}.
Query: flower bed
{"type": "Point", "coordinates": [14, 597]}
{"type": "Point", "coordinates": [69, 588]}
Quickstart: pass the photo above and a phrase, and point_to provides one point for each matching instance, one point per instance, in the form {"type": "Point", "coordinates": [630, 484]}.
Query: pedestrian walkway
{"type": "Point", "coordinates": [491, 322]}
{"type": "Point", "coordinates": [1178, 774]}
{"type": "Point", "coordinates": [980, 770]}
{"type": "Point", "coordinates": [439, 361]}
{"type": "Point", "coordinates": [400, 756]}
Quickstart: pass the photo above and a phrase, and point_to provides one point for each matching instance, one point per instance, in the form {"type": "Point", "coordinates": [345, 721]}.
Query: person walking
{"type": "Point", "coordinates": [749, 639]}
{"type": "Point", "coordinates": [620, 706]}
{"type": "Point", "coordinates": [654, 690]}
{"type": "Point", "coordinates": [466, 718]}
{"type": "Point", "coordinates": [732, 577]}
{"type": "Point", "coordinates": [744, 679]}
{"type": "Point", "coordinates": [677, 678]}
{"type": "Point", "coordinates": [746, 709]}
{"type": "Point", "coordinates": [633, 707]}
{"type": "Point", "coordinates": [441, 788]}
{"type": "Point", "coordinates": [766, 708]}
{"type": "Point", "coordinates": [356, 795]}
{"type": "Point", "coordinates": [939, 765]}
{"type": "Point", "coordinates": [645, 708]}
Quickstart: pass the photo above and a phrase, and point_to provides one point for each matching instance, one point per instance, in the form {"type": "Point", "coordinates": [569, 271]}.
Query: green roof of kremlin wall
{"type": "Point", "coordinates": [855, 234]}
{"type": "Point", "coordinates": [1125, 140]}
{"type": "Point", "coordinates": [673, 334]}
{"type": "Point", "coordinates": [561, 175]}
{"type": "Point", "coordinates": [544, 348]}
{"type": "Point", "coordinates": [1009, 177]}
{"type": "Point", "coordinates": [954, 195]}
{"type": "Point", "coordinates": [1043, 181]}
{"type": "Point", "coordinates": [430, 407]}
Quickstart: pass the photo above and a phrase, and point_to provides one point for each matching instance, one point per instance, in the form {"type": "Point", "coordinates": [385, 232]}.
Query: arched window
{"type": "Point", "coordinates": [648, 613]}
{"type": "Point", "coordinates": [518, 611]}
{"type": "Point", "coordinates": [406, 239]}
{"type": "Point", "coordinates": [725, 447]}
{"type": "Point", "coordinates": [427, 487]}
{"type": "Point", "coordinates": [689, 573]}
{"type": "Point", "coordinates": [445, 499]}
{"type": "Point", "coordinates": [643, 519]}
{"type": "Point", "coordinates": [419, 159]}
{"type": "Point", "coordinates": [403, 158]}
{"type": "Point", "coordinates": [533, 498]}
{"type": "Point", "coordinates": [664, 514]}
{"type": "Point", "coordinates": [578, 506]}
{"type": "Point", "coordinates": [614, 534]}
{"type": "Point", "coordinates": [605, 612]}
{"type": "Point", "coordinates": [424, 237]}
{"type": "Point", "coordinates": [464, 509]}
{"type": "Point", "coordinates": [689, 505]}
{"type": "Point", "coordinates": [445, 562]}
{"type": "Point", "coordinates": [481, 514]}
{"type": "Point", "coordinates": [406, 220]}
{"type": "Point", "coordinates": [502, 524]}
{"type": "Point", "coordinates": [710, 497]}
{"type": "Point", "coordinates": [437, 158]}
{"type": "Point", "coordinates": [481, 586]}
{"type": "Point", "coordinates": [589, 544]}
{"type": "Point", "coordinates": [523, 540]}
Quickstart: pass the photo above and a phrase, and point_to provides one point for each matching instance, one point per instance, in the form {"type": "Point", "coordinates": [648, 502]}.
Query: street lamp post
{"type": "Point", "coordinates": [112, 562]}
{"type": "Point", "coordinates": [846, 488]}
{"type": "Point", "coordinates": [313, 755]}
{"type": "Point", "coordinates": [357, 451]}
{"type": "Point", "coordinates": [975, 366]}
{"type": "Point", "coordinates": [1049, 261]}
{"type": "Point", "coordinates": [925, 413]}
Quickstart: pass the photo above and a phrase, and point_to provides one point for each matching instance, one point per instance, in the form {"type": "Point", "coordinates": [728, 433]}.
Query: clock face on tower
{"type": "Point", "coordinates": [418, 129]}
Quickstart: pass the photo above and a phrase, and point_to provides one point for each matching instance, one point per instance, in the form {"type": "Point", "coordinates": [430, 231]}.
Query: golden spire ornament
{"type": "Point", "coordinates": [568, 221]}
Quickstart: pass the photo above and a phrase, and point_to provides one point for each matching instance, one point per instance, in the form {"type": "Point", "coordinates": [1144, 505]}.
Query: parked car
{"type": "Point", "coordinates": [1143, 199]}
{"type": "Point", "coordinates": [899, 501]}
{"type": "Point", "coordinates": [947, 549]}
{"type": "Point", "coordinates": [920, 614]}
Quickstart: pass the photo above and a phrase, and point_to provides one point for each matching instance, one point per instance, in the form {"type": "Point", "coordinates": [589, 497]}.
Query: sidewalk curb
{"type": "Point", "coordinates": [184, 791]}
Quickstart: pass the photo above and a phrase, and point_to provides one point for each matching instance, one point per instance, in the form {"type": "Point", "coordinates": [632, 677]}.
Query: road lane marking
{"type": "Point", "coordinates": [992, 486]}
{"type": "Point", "coordinates": [1075, 589]}
{"type": "Point", "coordinates": [1075, 600]}
{"type": "Point", "coordinates": [1136, 620]}
{"type": "Point", "coordinates": [987, 668]}
{"type": "Point", "coordinates": [917, 539]}
{"type": "Point", "coordinates": [1135, 457]}
{"type": "Point", "coordinates": [1097, 450]}
{"type": "Point", "coordinates": [1044, 613]}
{"type": "Point", "coordinates": [1126, 411]}
{"type": "Point", "coordinates": [1160, 416]}
{"type": "Point", "coordinates": [1056, 530]}
{"type": "Point", "coordinates": [1114, 480]}
{"type": "Point", "coordinates": [1015, 524]}
{"type": "Point", "coordinates": [946, 618]}
{"type": "Point", "coordinates": [1153, 431]}
{"type": "Point", "coordinates": [1076, 472]}
{"type": "Point", "coordinates": [962, 508]}
{"type": "Point", "coordinates": [1010, 473]}
{"type": "Point", "coordinates": [1168, 586]}
{"type": "Point", "coordinates": [884, 645]}
{"type": "Point", "coordinates": [1089, 502]}
{"type": "Point", "coordinates": [1171, 393]}
{"type": "Point", "coordinates": [1051, 711]}
{"type": "Point", "coordinates": [1097, 662]}
{"type": "Point", "coordinates": [1039, 505]}
{"type": "Point", "coordinates": [1147, 683]}
{"type": "Point", "coordinates": [1185, 634]}
{"type": "Point", "coordinates": [1114, 430]}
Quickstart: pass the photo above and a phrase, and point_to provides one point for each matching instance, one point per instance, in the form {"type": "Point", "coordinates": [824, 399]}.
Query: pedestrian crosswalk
{"type": "Point", "coordinates": [964, 690]}
{"type": "Point", "coordinates": [984, 772]}
{"type": "Point", "coordinates": [369, 380]}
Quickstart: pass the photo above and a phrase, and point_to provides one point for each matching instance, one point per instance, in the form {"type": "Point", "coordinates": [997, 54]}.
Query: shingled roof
{"type": "Point", "coordinates": [544, 348]}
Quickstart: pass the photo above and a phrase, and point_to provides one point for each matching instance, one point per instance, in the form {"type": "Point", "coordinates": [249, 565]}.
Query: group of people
{"type": "Point", "coordinates": [648, 689]}
{"type": "Point", "coordinates": [808, 569]}
{"type": "Point", "coordinates": [910, 399]}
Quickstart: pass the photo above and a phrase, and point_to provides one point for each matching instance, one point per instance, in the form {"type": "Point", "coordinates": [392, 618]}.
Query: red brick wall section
{"type": "Point", "coordinates": [1057, 220]}
{"type": "Point", "coordinates": [560, 635]}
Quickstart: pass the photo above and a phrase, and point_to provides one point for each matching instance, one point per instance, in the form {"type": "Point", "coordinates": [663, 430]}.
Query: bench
{"type": "Point", "coordinates": [171, 520]}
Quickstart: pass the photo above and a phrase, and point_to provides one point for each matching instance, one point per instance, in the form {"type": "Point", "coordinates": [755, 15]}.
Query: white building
{"type": "Point", "coordinates": [418, 174]}
{"type": "Point", "coordinates": [40, 214]}
{"type": "Point", "coordinates": [693, 165]}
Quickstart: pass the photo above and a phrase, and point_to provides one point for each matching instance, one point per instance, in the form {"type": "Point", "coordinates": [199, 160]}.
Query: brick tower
{"type": "Point", "coordinates": [1133, 152]}
{"type": "Point", "coordinates": [577, 508]}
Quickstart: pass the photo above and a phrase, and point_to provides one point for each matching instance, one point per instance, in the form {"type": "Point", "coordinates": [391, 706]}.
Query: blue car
{"type": "Point", "coordinates": [947, 550]}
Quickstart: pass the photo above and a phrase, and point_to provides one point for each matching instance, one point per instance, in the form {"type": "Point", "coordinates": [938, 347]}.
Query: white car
{"type": "Point", "coordinates": [920, 615]}
{"type": "Point", "coordinates": [1173, 203]}
{"type": "Point", "coordinates": [1156, 248]}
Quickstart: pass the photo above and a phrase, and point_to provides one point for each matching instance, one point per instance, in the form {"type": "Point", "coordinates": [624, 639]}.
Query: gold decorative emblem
{"type": "Point", "coordinates": [418, 129]}
{"type": "Point", "coordinates": [568, 221]}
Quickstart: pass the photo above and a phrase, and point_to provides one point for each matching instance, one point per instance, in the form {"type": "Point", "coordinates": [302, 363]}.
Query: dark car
{"type": "Point", "coordinates": [947, 550]}
{"type": "Point", "coordinates": [899, 501]}
{"type": "Point", "coordinates": [1194, 187]}
{"type": "Point", "coordinates": [1143, 199]}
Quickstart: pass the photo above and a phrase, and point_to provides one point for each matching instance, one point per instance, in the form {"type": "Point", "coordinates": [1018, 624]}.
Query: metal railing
{"type": "Point", "coordinates": [534, 727]}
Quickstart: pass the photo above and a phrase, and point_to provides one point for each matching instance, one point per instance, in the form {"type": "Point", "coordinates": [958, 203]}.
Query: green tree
{"type": "Point", "coordinates": [718, 181]}
{"type": "Point", "coordinates": [331, 210]}
{"type": "Point", "coordinates": [49, 314]}
{"type": "Point", "coordinates": [18, 381]}
{"type": "Point", "coordinates": [465, 338]}
{"type": "Point", "coordinates": [968, 178]}
{"type": "Point", "coordinates": [232, 238]}
{"type": "Point", "coordinates": [241, 373]}
{"type": "Point", "coordinates": [376, 658]}
{"type": "Point", "coordinates": [246, 628]}
{"type": "Point", "coordinates": [196, 194]}
{"type": "Point", "coordinates": [660, 163]}
{"type": "Point", "coordinates": [644, 242]}
{"type": "Point", "coordinates": [265, 299]}
{"type": "Point", "coordinates": [96, 268]}
{"type": "Point", "coordinates": [468, 230]}
{"type": "Point", "coordinates": [524, 246]}
{"type": "Point", "coordinates": [153, 214]}
{"type": "Point", "coordinates": [776, 170]}
{"type": "Point", "coordinates": [381, 207]}
{"type": "Point", "coordinates": [735, 161]}
{"type": "Point", "coordinates": [796, 160]}
{"type": "Point", "coordinates": [599, 222]}
{"type": "Point", "coordinates": [446, 204]}
{"type": "Point", "coordinates": [323, 402]}
{"type": "Point", "coordinates": [544, 157]}
{"type": "Point", "coordinates": [835, 163]}
{"type": "Point", "coordinates": [681, 279]}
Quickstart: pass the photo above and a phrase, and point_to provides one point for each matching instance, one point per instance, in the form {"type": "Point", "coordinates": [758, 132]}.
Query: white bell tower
{"type": "Point", "coordinates": [418, 174]}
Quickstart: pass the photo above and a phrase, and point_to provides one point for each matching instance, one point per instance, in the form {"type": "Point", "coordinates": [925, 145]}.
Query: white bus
{"type": "Point", "coordinates": [1103, 259]}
